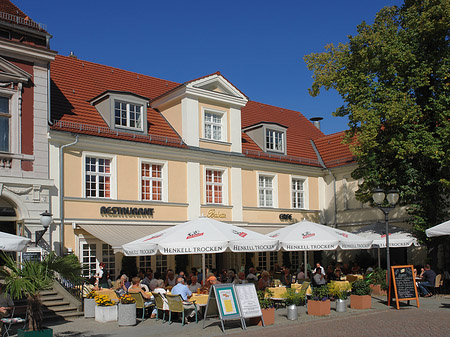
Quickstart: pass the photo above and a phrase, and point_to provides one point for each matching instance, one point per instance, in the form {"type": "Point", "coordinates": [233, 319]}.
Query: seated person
{"type": "Point", "coordinates": [330, 273]}
{"type": "Point", "coordinates": [160, 290]}
{"type": "Point", "coordinates": [211, 280]}
{"type": "Point", "coordinates": [6, 304]}
{"type": "Point", "coordinates": [194, 286]}
{"type": "Point", "coordinates": [181, 289]}
{"type": "Point", "coordinates": [301, 274]}
{"type": "Point", "coordinates": [264, 281]}
{"type": "Point", "coordinates": [319, 278]}
{"type": "Point", "coordinates": [286, 277]}
{"type": "Point", "coordinates": [154, 281]}
{"type": "Point", "coordinates": [170, 278]}
{"type": "Point", "coordinates": [428, 277]}
{"type": "Point", "coordinates": [120, 287]}
{"type": "Point", "coordinates": [136, 288]}
{"type": "Point", "coordinates": [356, 269]}
{"type": "Point", "coordinates": [251, 277]}
{"type": "Point", "coordinates": [240, 279]}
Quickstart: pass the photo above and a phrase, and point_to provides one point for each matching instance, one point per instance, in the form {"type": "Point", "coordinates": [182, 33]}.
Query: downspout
{"type": "Point", "coordinates": [49, 89]}
{"type": "Point", "coordinates": [61, 194]}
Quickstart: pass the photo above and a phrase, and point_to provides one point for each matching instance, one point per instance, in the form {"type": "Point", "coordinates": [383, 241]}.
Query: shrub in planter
{"type": "Point", "coordinates": [360, 298]}
{"type": "Point", "coordinates": [127, 310]}
{"type": "Point", "coordinates": [340, 293]}
{"type": "Point", "coordinates": [89, 305]}
{"type": "Point", "coordinates": [106, 309]}
{"type": "Point", "coordinates": [320, 303]}
{"type": "Point", "coordinates": [377, 281]}
{"type": "Point", "coordinates": [294, 298]}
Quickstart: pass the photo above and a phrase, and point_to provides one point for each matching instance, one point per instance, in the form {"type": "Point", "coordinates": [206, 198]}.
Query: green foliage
{"type": "Point", "coordinates": [264, 298]}
{"type": "Point", "coordinates": [338, 291]}
{"type": "Point", "coordinates": [360, 288]}
{"type": "Point", "coordinates": [378, 276]}
{"type": "Point", "coordinates": [30, 277]}
{"type": "Point", "coordinates": [293, 297]}
{"type": "Point", "coordinates": [320, 293]}
{"type": "Point", "coordinates": [394, 78]}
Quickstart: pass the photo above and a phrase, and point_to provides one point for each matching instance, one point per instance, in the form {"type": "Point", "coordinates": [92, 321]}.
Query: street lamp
{"type": "Point", "coordinates": [46, 219]}
{"type": "Point", "coordinates": [392, 197]}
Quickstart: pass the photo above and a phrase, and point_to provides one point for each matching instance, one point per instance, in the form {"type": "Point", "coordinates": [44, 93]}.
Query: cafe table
{"type": "Point", "coordinates": [297, 287]}
{"type": "Point", "coordinates": [342, 284]}
{"type": "Point", "coordinates": [354, 277]}
{"type": "Point", "coordinates": [200, 299]}
{"type": "Point", "coordinates": [108, 292]}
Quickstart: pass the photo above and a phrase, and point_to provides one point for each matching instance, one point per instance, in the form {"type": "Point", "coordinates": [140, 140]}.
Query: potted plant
{"type": "Point", "coordinates": [340, 292]}
{"type": "Point", "coordinates": [293, 301]}
{"type": "Point", "coordinates": [127, 310]}
{"type": "Point", "coordinates": [319, 305]}
{"type": "Point", "coordinates": [89, 304]}
{"type": "Point", "coordinates": [106, 309]}
{"type": "Point", "coordinates": [29, 278]}
{"type": "Point", "coordinates": [377, 282]}
{"type": "Point", "coordinates": [360, 297]}
{"type": "Point", "coordinates": [267, 308]}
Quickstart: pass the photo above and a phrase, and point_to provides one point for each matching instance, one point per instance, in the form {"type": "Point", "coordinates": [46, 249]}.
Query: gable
{"type": "Point", "coordinates": [12, 73]}
{"type": "Point", "coordinates": [217, 83]}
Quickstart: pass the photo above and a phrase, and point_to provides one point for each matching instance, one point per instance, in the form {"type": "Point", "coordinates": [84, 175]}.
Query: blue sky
{"type": "Point", "coordinates": [257, 45]}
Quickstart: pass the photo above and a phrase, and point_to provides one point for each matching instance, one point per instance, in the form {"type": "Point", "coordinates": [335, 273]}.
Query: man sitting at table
{"type": "Point", "coordinates": [319, 278]}
{"type": "Point", "coordinates": [194, 286]}
{"type": "Point", "coordinates": [251, 277]}
{"type": "Point", "coordinates": [136, 288]}
{"type": "Point", "coordinates": [428, 277]}
{"type": "Point", "coordinates": [181, 289]}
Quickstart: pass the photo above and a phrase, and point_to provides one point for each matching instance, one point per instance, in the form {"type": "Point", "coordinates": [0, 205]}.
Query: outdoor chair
{"type": "Point", "coordinates": [140, 303]}
{"type": "Point", "coordinates": [437, 285]}
{"type": "Point", "coordinates": [176, 305]}
{"type": "Point", "coordinates": [159, 301]}
{"type": "Point", "coordinates": [18, 315]}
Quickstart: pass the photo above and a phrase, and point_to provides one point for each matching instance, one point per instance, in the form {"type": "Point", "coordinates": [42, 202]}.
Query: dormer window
{"type": "Point", "coordinates": [274, 140]}
{"type": "Point", "coordinates": [213, 126]}
{"type": "Point", "coordinates": [128, 115]}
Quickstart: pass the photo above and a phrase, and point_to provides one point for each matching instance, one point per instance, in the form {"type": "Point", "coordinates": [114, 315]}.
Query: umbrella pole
{"type": "Point", "coordinates": [204, 269]}
{"type": "Point", "coordinates": [305, 264]}
{"type": "Point", "coordinates": [379, 258]}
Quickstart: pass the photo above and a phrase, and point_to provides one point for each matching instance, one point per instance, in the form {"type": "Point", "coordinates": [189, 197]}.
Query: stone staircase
{"type": "Point", "coordinates": [59, 304]}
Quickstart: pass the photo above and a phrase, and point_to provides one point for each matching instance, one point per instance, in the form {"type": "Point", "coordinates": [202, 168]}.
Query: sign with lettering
{"type": "Point", "coordinates": [403, 285]}
{"type": "Point", "coordinates": [212, 214]}
{"type": "Point", "coordinates": [285, 217]}
{"type": "Point", "coordinates": [248, 300]}
{"type": "Point", "coordinates": [127, 211]}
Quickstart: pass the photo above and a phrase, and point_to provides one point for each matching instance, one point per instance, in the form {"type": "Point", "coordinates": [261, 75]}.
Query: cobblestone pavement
{"type": "Point", "coordinates": [431, 319]}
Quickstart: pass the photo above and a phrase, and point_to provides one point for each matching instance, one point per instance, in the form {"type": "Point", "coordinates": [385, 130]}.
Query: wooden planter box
{"type": "Point", "coordinates": [319, 308]}
{"type": "Point", "coordinates": [360, 302]}
{"type": "Point", "coordinates": [268, 316]}
{"type": "Point", "coordinates": [376, 290]}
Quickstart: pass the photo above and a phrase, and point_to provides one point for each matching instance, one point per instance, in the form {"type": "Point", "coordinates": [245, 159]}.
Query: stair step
{"type": "Point", "coordinates": [66, 315]}
{"type": "Point", "coordinates": [60, 309]}
{"type": "Point", "coordinates": [52, 298]}
{"type": "Point", "coordinates": [48, 292]}
{"type": "Point", "coordinates": [55, 303]}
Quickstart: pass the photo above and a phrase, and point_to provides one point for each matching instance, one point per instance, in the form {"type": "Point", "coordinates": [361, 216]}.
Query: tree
{"type": "Point", "coordinates": [31, 277]}
{"type": "Point", "coordinates": [394, 78]}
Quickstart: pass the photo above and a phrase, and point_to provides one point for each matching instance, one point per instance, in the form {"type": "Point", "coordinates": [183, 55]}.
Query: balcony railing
{"type": "Point", "coordinates": [22, 21]}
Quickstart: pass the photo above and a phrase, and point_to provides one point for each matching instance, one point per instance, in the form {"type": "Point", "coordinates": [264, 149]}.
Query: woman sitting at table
{"type": "Point", "coordinates": [264, 281]}
{"type": "Point", "coordinates": [120, 287]}
{"type": "Point", "coordinates": [136, 288]}
{"type": "Point", "coordinates": [170, 278]}
{"type": "Point", "coordinates": [286, 277]}
{"type": "Point", "coordinates": [160, 290]}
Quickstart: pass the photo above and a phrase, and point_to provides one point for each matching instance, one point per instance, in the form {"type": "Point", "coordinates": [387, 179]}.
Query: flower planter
{"type": "Point", "coordinates": [341, 305]}
{"type": "Point", "coordinates": [376, 290]}
{"type": "Point", "coordinates": [89, 307]}
{"type": "Point", "coordinates": [268, 316]}
{"type": "Point", "coordinates": [319, 308]}
{"type": "Point", "coordinates": [127, 314]}
{"type": "Point", "coordinates": [106, 314]}
{"type": "Point", "coordinates": [360, 302]}
{"type": "Point", "coordinates": [30, 333]}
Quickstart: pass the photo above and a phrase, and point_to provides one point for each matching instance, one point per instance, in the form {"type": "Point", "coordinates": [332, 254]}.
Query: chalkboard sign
{"type": "Point", "coordinates": [403, 284]}
{"type": "Point", "coordinates": [31, 256]}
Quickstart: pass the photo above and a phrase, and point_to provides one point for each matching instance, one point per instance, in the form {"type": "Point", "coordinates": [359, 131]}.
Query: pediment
{"type": "Point", "coordinates": [216, 83]}
{"type": "Point", "coordinates": [11, 73]}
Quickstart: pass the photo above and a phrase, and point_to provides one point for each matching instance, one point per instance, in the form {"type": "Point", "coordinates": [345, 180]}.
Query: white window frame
{"type": "Point", "coordinates": [305, 192]}
{"type": "Point", "coordinates": [164, 179]}
{"type": "Point", "coordinates": [223, 124]}
{"type": "Point", "coordinates": [274, 189]}
{"type": "Point", "coordinates": [113, 173]}
{"type": "Point", "coordinates": [128, 111]}
{"type": "Point", "coordinates": [8, 116]}
{"type": "Point", "coordinates": [90, 240]}
{"type": "Point", "coordinates": [224, 171]}
{"type": "Point", "coordinates": [274, 133]}
{"type": "Point", "coordinates": [14, 122]}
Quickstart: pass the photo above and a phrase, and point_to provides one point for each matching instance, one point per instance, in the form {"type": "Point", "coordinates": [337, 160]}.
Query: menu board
{"type": "Point", "coordinates": [403, 284]}
{"type": "Point", "coordinates": [226, 300]}
{"type": "Point", "coordinates": [248, 300]}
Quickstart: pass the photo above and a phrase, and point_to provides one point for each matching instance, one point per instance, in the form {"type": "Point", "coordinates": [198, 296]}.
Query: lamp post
{"type": "Point", "coordinates": [46, 219]}
{"type": "Point", "coordinates": [392, 197]}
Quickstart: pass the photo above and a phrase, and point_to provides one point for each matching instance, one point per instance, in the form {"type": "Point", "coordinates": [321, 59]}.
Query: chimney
{"type": "Point", "coordinates": [316, 121]}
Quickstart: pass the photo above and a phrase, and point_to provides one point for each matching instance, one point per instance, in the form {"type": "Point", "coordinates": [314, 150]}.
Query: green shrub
{"type": "Point", "coordinates": [360, 288]}
{"type": "Point", "coordinates": [320, 293]}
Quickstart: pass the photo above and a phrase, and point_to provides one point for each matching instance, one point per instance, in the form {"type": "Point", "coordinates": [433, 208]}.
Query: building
{"type": "Point", "coordinates": [25, 187]}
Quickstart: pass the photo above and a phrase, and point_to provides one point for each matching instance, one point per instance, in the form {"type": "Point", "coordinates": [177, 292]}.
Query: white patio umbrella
{"type": "Point", "coordinates": [398, 237]}
{"type": "Point", "coordinates": [200, 236]}
{"type": "Point", "coordinates": [12, 243]}
{"type": "Point", "coordinates": [439, 230]}
{"type": "Point", "coordinates": [306, 235]}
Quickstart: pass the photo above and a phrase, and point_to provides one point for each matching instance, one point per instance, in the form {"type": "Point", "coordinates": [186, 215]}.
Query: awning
{"type": "Point", "coordinates": [118, 235]}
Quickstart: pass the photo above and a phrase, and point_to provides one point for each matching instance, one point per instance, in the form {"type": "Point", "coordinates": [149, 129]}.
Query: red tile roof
{"type": "Point", "coordinates": [333, 152]}
{"type": "Point", "coordinates": [300, 130]}
{"type": "Point", "coordinates": [75, 82]}
{"type": "Point", "coordinates": [11, 13]}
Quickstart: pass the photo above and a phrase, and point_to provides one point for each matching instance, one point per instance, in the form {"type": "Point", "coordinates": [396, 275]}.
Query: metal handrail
{"type": "Point", "coordinates": [22, 21]}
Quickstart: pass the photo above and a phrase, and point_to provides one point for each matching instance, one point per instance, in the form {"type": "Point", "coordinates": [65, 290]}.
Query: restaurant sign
{"type": "Point", "coordinates": [212, 214]}
{"type": "Point", "coordinates": [126, 211]}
